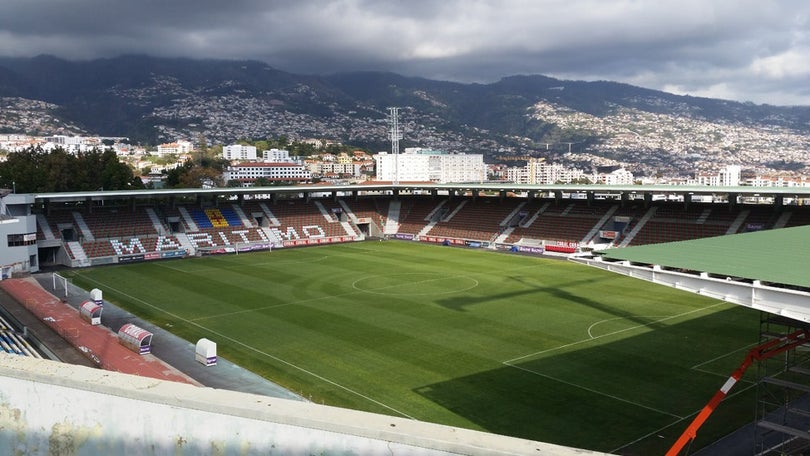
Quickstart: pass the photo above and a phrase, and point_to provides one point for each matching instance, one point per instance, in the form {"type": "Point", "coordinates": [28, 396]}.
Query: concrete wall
{"type": "Point", "coordinates": [51, 408]}
{"type": "Point", "coordinates": [18, 258]}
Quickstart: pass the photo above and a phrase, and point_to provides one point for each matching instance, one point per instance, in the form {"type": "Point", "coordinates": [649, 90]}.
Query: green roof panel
{"type": "Point", "coordinates": [777, 256]}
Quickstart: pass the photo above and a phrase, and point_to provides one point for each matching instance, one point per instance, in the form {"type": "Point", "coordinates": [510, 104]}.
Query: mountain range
{"type": "Point", "coordinates": [152, 100]}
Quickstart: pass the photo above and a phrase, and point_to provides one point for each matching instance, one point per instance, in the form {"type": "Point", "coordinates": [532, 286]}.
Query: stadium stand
{"type": "Point", "coordinates": [372, 209]}
{"type": "Point", "coordinates": [117, 223]}
{"type": "Point", "coordinates": [306, 219]}
{"type": "Point", "coordinates": [566, 222]}
{"type": "Point", "coordinates": [13, 343]}
{"type": "Point", "coordinates": [480, 219]}
{"type": "Point", "coordinates": [201, 218]}
{"type": "Point", "coordinates": [107, 232]}
{"type": "Point", "coordinates": [415, 211]}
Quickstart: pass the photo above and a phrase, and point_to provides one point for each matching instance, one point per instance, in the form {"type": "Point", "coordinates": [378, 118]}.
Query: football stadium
{"type": "Point", "coordinates": [406, 319]}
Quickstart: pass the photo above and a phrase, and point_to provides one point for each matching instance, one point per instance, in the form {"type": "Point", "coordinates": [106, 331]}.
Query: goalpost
{"type": "Point", "coordinates": [60, 282]}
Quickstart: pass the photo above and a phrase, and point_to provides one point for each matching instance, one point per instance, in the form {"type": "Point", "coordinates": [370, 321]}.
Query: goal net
{"type": "Point", "coordinates": [60, 285]}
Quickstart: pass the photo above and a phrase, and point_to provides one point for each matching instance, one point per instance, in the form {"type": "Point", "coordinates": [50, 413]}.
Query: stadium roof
{"type": "Point", "coordinates": [784, 192]}
{"type": "Point", "coordinates": [765, 270]}
{"type": "Point", "coordinates": [776, 256]}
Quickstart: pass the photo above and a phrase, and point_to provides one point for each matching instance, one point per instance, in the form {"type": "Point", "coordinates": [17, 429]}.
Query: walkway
{"type": "Point", "coordinates": [98, 343]}
{"type": "Point", "coordinates": [172, 350]}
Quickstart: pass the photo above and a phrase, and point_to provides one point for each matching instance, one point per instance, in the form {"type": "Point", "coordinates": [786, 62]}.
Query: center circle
{"type": "Point", "coordinates": [414, 284]}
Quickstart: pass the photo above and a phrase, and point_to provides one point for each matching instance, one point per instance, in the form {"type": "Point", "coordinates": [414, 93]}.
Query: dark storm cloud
{"type": "Point", "coordinates": [743, 49]}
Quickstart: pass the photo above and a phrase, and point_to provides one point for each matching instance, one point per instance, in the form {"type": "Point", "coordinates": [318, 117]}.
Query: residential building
{"type": "Point", "coordinates": [620, 176]}
{"type": "Point", "coordinates": [239, 152]}
{"type": "Point", "coordinates": [417, 164]}
{"type": "Point", "coordinates": [537, 171]}
{"type": "Point", "coordinates": [779, 181]}
{"type": "Point", "coordinates": [277, 156]}
{"type": "Point", "coordinates": [247, 173]}
{"type": "Point", "coordinates": [728, 176]}
{"type": "Point", "coordinates": [175, 148]}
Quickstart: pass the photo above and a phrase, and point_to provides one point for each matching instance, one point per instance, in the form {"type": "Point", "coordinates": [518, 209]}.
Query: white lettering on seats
{"type": "Point", "coordinates": [121, 248]}
{"type": "Point", "coordinates": [308, 231]}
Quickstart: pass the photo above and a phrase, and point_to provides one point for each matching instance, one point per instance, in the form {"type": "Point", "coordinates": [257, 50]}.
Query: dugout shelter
{"type": "Point", "coordinates": [135, 338]}
{"type": "Point", "coordinates": [90, 311]}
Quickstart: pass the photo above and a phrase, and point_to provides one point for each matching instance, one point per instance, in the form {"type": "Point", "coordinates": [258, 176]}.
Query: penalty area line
{"type": "Point", "coordinates": [593, 391]}
{"type": "Point", "coordinates": [591, 339]}
{"type": "Point", "coordinates": [256, 350]}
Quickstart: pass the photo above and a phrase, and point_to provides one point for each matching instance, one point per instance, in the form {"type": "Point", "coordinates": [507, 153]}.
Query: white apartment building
{"type": "Point", "coordinates": [779, 181]}
{"type": "Point", "coordinates": [539, 172]}
{"type": "Point", "coordinates": [72, 144]}
{"type": "Point", "coordinates": [175, 148]}
{"type": "Point", "coordinates": [66, 141]}
{"type": "Point", "coordinates": [247, 173]}
{"type": "Point", "coordinates": [322, 168]}
{"type": "Point", "coordinates": [620, 176]}
{"type": "Point", "coordinates": [728, 176]}
{"type": "Point", "coordinates": [239, 152]}
{"type": "Point", "coordinates": [426, 165]}
{"type": "Point", "coordinates": [276, 156]}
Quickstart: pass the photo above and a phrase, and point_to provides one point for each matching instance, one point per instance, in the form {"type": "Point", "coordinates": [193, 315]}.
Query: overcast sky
{"type": "Point", "coordinates": [744, 50]}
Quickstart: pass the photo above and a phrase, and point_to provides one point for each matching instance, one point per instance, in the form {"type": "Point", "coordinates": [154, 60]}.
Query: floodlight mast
{"type": "Point", "coordinates": [395, 135]}
{"type": "Point", "coordinates": [761, 352]}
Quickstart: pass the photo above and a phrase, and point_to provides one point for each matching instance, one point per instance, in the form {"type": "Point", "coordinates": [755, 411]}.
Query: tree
{"type": "Point", "coordinates": [173, 176]}
{"type": "Point", "coordinates": [33, 170]}
{"type": "Point", "coordinates": [23, 171]}
{"type": "Point", "coordinates": [59, 172]}
{"type": "Point", "coordinates": [202, 143]}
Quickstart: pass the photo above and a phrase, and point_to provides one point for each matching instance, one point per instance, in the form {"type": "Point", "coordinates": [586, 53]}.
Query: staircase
{"type": "Point", "coordinates": [78, 251]}
{"type": "Point", "coordinates": [185, 243]}
{"type": "Point", "coordinates": [273, 237]}
{"type": "Point", "coordinates": [45, 227]}
{"type": "Point", "coordinates": [273, 220]}
{"type": "Point", "coordinates": [512, 215]}
{"type": "Point", "coordinates": [192, 226]}
{"type": "Point", "coordinates": [595, 230]}
{"type": "Point", "coordinates": [348, 211]}
{"type": "Point", "coordinates": [782, 220]}
{"type": "Point", "coordinates": [392, 222]}
{"type": "Point", "coordinates": [86, 233]}
{"type": "Point", "coordinates": [241, 214]}
{"type": "Point", "coordinates": [638, 227]}
{"type": "Point", "coordinates": [156, 221]}
{"type": "Point", "coordinates": [424, 231]}
{"type": "Point", "coordinates": [737, 223]}
{"type": "Point", "coordinates": [324, 212]}
{"type": "Point", "coordinates": [502, 237]}
{"type": "Point", "coordinates": [534, 217]}
{"type": "Point", "coordinates": [455, 211]}
{"type": "Point", "coordinates": [703, 216]}
{"type": "Point", "coordinates": [349, 229]}
{"type": "Point", "coordinates": [436, 209]}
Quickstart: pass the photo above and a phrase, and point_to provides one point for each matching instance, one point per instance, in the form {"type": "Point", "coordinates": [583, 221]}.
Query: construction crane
{"type": "Point", "coordinates": [761, 352]}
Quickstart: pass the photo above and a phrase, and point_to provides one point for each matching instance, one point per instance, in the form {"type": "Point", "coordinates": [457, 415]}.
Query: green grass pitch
{"type": "Point", "coordinates": [535, 348]}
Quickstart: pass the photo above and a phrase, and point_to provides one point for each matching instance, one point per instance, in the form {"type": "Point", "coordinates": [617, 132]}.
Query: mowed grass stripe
{"type": "Point", "coordinates": [437, 353]}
